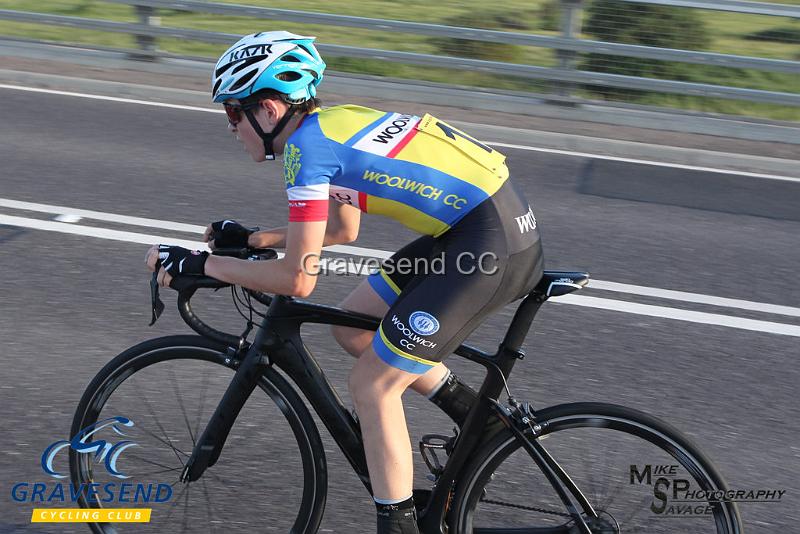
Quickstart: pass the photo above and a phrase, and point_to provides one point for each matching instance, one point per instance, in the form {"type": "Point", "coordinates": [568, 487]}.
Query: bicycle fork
{"type": "Point", "coordinates": [209, 446]}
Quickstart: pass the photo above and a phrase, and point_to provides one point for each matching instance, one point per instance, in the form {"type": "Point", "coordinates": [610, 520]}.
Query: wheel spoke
{"type": "Point", "coordinates": [172, 446]}
{"type": "Point", "coordinates": [186, 509]}
{"type": "Point", "coordinates": [209, 505]}
{"type": "Point", "coordinates": [161, 427]}
{"type": "Point", "coordinates": [202, 403]}
{"type": "Point", "coordinates": [152, 462]}
{"type": "Point", "coordinates": [175, 502]}
{"type": "Point", "coordinates": [151, 473]}
{"type": "Point", "coordinates": [180, 403]}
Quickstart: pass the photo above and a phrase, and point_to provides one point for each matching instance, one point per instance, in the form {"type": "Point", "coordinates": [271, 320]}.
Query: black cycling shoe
{"type": "Point", "coordinates": [392, 520]}
{"type": "Point", "coordinates": [456, 399]}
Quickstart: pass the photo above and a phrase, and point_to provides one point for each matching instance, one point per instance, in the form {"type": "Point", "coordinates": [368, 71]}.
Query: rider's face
{"type": "Point", "coordinates": [267, 116]}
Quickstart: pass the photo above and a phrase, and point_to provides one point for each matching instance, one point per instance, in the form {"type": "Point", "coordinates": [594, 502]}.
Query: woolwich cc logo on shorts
{"type": "Point", "coordinates": [423, 323]}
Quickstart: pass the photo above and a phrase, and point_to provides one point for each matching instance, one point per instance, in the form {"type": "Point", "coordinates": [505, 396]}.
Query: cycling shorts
{"type": "Point", "coordinates": [439, 289]}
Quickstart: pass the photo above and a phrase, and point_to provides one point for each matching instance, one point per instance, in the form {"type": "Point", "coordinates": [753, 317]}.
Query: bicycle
{"type": "Point", "coordinates": [481, 479]}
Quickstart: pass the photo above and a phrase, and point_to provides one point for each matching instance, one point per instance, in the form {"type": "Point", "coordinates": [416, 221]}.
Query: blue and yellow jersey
{"type": "Point", "coordinates": [421, 172]}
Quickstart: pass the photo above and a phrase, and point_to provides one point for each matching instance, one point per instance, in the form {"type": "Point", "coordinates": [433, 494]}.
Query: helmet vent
{"type": "Point", "coordinates": [289, 76]}
{"type": "Point", "coordinates": [290, 57]}
{"type": "Point", "coordinates": [219, 71]}
{"type": "Point", "coordinates": [241, 82]}
{"type": "Point", "coordinates": [246, 63]}
{"type": "Point", "coordinates": [216, 87]}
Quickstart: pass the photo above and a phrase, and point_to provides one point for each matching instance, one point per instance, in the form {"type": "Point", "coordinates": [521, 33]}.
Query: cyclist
{"type": "Point", "coordinates": [420, 171]}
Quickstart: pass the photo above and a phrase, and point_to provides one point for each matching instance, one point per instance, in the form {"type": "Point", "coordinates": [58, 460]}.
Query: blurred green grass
{"type": "Point", "coordinates": [729, 35]}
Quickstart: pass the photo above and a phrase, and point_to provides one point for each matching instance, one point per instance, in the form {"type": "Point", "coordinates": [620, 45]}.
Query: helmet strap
{"type": "Point", "coordinates": [268, 138]}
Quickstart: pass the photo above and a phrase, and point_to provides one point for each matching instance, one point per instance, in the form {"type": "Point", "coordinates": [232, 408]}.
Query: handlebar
{"type": "Point", "coordinates": [187, 286]}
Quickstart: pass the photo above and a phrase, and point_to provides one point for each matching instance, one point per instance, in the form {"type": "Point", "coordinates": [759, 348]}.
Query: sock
{"type": "Point", "coordinates": [454, 398]}
{"type": "Point", "coordinates": [388, 505]}
{"type": "Point", "coordinates": [438, 386]}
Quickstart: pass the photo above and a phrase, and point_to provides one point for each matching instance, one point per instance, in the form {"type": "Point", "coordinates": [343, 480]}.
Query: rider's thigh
{"type": "Point", "coordinates": [363, 299]}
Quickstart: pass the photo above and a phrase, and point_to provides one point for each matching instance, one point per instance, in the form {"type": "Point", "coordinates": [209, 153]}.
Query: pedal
{"type": "Point", "coordinates": [428, 446]}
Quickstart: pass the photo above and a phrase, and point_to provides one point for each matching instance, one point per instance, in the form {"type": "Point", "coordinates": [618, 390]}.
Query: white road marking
{"type": "Point", "coordinates": [67, 218]}
{"type": "Point", "coordinates": [594, 302]}
{"type": "Point", "coordinates": [102, 233]}
{"type": "Point", "coordinates": [649, 162]}
{"type": "Point", "coordinates": [681, 315]}
{"type": "Point", "coordinates": [383, 254]}
{"type": "Point", "coordinates": [156, 223]}
{"type": "Point", "coordinates": [506, 145]}
{"type": "Point", "coordinates": [694, 297]}
{"type": "Point", "coordinates": [110, 98]}
{"type": "Point", "coordinates": [101, 216]}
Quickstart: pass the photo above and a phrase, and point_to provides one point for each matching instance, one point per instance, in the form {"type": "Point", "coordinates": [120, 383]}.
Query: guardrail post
{"type": "Point", "coordinates": [571, 11]}
{"type": "Point", "coordinates": [147, 43]}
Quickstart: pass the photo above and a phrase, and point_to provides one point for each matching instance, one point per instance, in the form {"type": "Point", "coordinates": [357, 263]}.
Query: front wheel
{"type": "Point", "coordinates": [139, 420]}
{"type": "Point", "coordinates": [638, 473]}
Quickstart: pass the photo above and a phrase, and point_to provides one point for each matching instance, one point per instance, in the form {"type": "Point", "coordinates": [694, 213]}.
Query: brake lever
{"type": "Point", "coordinates": [155, 301]}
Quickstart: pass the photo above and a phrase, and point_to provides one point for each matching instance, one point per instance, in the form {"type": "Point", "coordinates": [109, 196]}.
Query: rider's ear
{"type": "Point", "coordinates": [272, 108]}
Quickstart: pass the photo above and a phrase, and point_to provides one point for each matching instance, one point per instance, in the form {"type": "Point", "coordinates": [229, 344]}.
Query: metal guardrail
{"type": "Point", "coordinates": [567, 46]}
{"type": "Point", "coordinates": [437, 30]}
{"type": "Point", "coordinates": [736, 6]}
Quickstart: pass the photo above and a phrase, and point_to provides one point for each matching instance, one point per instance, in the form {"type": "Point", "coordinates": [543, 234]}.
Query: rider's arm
{"type": "Point", "coordinates": [294, 274]}
{"type": "Point", "coordinates": [343, 223]}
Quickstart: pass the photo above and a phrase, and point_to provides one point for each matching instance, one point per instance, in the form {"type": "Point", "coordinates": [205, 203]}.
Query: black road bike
{"type": "Point", "coordinates": [225, 443]}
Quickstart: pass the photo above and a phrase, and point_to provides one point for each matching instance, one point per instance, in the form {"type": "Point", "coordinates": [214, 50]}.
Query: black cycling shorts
{"type": "Point", "coordinates": [439, 289]}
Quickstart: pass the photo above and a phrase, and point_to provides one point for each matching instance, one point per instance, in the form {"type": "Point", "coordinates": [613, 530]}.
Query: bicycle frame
{"type": "Point", "coordinates": [278, 342]}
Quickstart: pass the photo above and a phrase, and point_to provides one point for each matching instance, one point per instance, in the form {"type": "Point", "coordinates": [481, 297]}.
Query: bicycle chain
{"type": "Point", "coordinates": [522, 507]}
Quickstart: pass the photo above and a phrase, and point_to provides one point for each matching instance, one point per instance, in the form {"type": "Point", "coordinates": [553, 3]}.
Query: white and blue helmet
{"type": "Point", "coordinates": [281, 61]}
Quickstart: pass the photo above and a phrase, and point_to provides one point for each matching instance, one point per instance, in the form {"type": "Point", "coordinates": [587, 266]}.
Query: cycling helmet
{"type": "Point", "coordinates": [281, 61]}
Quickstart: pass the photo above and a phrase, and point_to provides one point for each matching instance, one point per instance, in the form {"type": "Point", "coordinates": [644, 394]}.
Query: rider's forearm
{"type": "Point", "coordinates": [276, 238]}
{"type": "Point", "coordinates": [272, 238]}
{"type": "Point", "coordinates": [279, 276]}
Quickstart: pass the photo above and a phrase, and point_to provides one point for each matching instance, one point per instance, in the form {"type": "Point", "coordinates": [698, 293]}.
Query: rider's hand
{"type": "Point", "coordinates": [227, 234]}
{"type": "Point", "coordinates": [175, 260]}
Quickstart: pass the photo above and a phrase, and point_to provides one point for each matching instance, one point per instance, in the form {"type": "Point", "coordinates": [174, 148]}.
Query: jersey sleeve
{"type": "Point", "coordinates": [309, 165]}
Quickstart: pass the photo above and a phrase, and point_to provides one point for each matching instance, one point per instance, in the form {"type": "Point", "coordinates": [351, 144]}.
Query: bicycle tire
{"type": "Point", "coordinates": [186, 347]}
{"type": "Point", "coordinates": [471, 487]}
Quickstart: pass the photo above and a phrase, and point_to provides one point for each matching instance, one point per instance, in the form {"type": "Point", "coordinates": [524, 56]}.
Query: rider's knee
{"type": "Point", "coordinates": [346, 338]}
{"type": "Point", "coordinates": [362, 390]}
{"type": "Point", "coordinates": [366, 388]}
{"type": "Point", "coordinates": [353, 340]}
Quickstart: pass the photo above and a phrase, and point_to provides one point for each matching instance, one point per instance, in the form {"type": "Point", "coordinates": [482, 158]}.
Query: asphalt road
{"type": "Point", "coordinates": [70, 302]}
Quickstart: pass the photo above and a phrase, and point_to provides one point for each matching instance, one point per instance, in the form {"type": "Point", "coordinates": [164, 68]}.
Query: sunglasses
{"type": "Point", "coordinates": [234, 111]}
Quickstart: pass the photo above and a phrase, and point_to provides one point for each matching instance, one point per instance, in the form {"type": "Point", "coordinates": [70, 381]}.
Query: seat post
{"type": "Point", "coordinates": [522, 320]}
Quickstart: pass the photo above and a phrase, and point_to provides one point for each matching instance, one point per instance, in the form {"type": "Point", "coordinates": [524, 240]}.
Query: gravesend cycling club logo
{"type": "Point", "coordinates": [423, 323]}
{"type": "Point", "coordinates": [90, 447]}
{"type": "Point", "coordinates": [103, 451]}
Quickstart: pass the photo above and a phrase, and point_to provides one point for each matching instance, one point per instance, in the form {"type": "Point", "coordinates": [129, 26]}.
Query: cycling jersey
{"type": "Point", "coordinates": [421, 172]}
{"type": "Point", "coordinates": [439, 182]}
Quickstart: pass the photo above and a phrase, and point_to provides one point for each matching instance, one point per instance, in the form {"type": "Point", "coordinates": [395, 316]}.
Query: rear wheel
{"type": "Point", "coordinates": [638, 473]}
{"type": "Point", "coordinates": [271, 476]}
